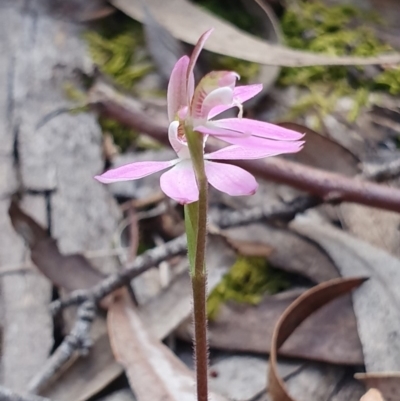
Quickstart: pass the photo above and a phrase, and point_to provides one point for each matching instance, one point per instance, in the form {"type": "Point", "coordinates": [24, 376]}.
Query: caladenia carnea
{"type": "Point", "coordinates": [192, 111]}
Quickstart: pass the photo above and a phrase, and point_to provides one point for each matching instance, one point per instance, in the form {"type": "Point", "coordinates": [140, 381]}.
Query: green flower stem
{"type": "Point", "coordinates": [196, 229]}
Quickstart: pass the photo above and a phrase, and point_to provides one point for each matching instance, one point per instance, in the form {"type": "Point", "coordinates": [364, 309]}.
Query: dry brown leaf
{"type": "Point", "coordinates": [71, 272]}
{"type": "Point", "coordinates": [329, 335]}
{"type": "Point", "coordinates": [322, 152]}
{"type": "Point", "coordinates": [376, 304]}
{"type": "Point", "coordinates": [298, 311]}
{"type": "Point", "coordinates": [153, 371]}
{"type": "Point", "coordinates": [187, 22]}
{"type": "Point", "coordinates": [372, 395]}
{"type": "Point", "coordinates": [388, 384]}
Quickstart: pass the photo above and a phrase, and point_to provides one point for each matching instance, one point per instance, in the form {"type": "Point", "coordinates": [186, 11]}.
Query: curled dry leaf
{"type": "Point", "coordinates": [388, 384]}
{"type": "Point", "coordinates": [154, 372]}
{"type": "Point", "coordinates": [376, 304]}
{"type": "Point", "coordinates": [187, 22]}
{"type": "Point", "coordinates": [329, 335]}
{"type": "Point", "coordinates": [298, 311]}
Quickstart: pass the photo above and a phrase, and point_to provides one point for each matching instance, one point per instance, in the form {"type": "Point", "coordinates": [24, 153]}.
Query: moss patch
{"type": "Point", "coordinates": [337, 30]}
{"type": "Point", "coordinates": [117, 47]}
{"type": "Point", "coordinates": [247, 281]}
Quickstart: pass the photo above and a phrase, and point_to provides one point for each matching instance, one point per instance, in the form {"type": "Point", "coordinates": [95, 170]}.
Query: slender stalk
{"type": "Point", "coordinates": [196, 216]}
{"type": "Point", "coordinates": [199, 286]}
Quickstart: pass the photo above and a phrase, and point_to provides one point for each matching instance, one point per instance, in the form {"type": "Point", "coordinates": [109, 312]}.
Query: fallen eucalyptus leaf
{"type": "Point", "coordinates": [154, 372]}
{"type": "Point", "coordinates": [329, 335]}
{"type": "Point", "coordinates": [322, 152]}
{"type": "Point", "coordinates": [71, 272]}
{"type": "Point", "coordinates": [298, 311]}
{"type": "Point", "coordinates": [377, 303]}
{"type": "Point", "coordinates": [187, 22]}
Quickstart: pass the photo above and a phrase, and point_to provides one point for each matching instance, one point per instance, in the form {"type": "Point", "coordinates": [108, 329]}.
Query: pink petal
{"type": "Point", "coordinates": [179, 183]}
{"type": "Point", "coordinates": [230, 179]}
{"type": "Point", "coordinates": [246, 92]}
{"type": "Point", "coordinates": [258, 128]}
{"type": "Point", "coordinates": [218, 97]}
{"type": "Point", "coordinates": [208, 84]}
{"type": "Point", "coordinates": [193, 58]}
{"type": "Point", "coordinates": [245, 140]}
{"type": "Point", "coordinates": [177, 90]}
{"type": "Point", "coordinates": [224, 134]}
{"type": "Point", "coordinates": [268, 148]}
{"type": "Point", "coordinates": [240, 95]}
{"type": "Point", "coordinates": [133, 171]}
{"type": "Point", "coordinates": [178, 145]}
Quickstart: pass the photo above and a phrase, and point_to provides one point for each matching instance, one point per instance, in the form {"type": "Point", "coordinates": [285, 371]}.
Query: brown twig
{"type": "Point", "coordinates": [327, 186]}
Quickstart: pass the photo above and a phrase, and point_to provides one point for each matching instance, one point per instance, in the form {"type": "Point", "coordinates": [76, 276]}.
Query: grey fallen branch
{"type": "Point", "coordinates": [142, 263]}
{"type": "Point", "coordinates": [8, 395]}
{"type": "Point", "coordinates": [78, 340]}
{"type": "Point", "coordinates": [177, 246]}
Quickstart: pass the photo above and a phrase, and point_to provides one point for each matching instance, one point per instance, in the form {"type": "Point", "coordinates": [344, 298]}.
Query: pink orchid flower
{"type": "Point", "coordinates": [196, 108]}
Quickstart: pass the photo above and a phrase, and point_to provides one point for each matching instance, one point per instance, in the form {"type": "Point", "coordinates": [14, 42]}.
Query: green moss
{"type": "Point", "coordinates": [389, 81]}
{"type": "Point", "coordinates": [117, 48]}
{"type": "Point", "coordinates": [123, 137]}
{"type": "Point", "coordinates": [117, 56]}
{"type": "Point", "coordinates": [337, 30]}
{"type": "Point", "coordinates": [247, 281]}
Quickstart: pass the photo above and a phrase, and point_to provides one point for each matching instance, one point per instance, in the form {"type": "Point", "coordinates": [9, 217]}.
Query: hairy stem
{"type": "Point", "coordinates": [199, 286]}
{"type": "Point", "coordinates": [196, 216]}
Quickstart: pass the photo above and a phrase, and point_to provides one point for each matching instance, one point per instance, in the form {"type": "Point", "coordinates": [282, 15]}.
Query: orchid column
{"type": "Point", "coordinates": [192, 113]}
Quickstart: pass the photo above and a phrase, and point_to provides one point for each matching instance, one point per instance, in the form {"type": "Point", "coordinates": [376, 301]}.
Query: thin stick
{"type": "Point", "coordinates": [142, 263]}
